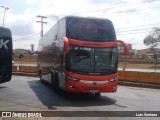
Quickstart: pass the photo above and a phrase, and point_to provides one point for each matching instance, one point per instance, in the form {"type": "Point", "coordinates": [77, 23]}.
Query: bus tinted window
{"type": "Point", "coordinates": [95, 30]}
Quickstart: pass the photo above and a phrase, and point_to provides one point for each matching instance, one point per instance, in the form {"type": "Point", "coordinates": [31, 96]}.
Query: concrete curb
{"type": "Point", "coordinates": [140, 77]}
{"type": "Point", "coordinates": [142, 85]}
{"type": "Point", "coordinates": [123, 83]}
{"type": "Point", "coordinates": [24, 74]}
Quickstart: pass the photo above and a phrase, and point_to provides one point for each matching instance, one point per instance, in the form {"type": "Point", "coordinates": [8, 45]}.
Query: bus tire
{"type": "Point", "coordinates": [40, 75]}
{"type": "Point", "coordinates": [53, 80]}
{"type": "Point", "coordinates": [97, 94]}
{"type": "Point", "coordinates": [56, 81]}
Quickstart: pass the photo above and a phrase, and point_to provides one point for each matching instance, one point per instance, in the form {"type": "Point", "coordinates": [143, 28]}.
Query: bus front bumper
{"type": "Point", "coordinates": [72, 86]}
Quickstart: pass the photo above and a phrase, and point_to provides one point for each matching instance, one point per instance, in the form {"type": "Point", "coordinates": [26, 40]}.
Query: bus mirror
{"type": "Point", "coordinates": [66, 45]}
{"type": "Point", "coordinates": [126, 49]}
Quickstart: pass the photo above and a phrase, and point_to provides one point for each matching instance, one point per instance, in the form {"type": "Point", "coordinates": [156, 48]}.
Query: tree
{"type": "Point", "coordinates": [152, 40]}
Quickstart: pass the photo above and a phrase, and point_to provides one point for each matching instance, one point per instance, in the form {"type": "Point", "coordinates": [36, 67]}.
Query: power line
{"type": "Point", "coordinates": [109, 7]}
{"type": "Point", "coordinates": [121, 32]}
{"type": "Point", "coordinates": [133, 13]}
{"type": "Point", "coordinates": [113, 6]}
{"type": "Point", "coordinates": [131, 31]}
{"type": "Point", "coordinates": [134, 30]}
{"type": "Point", "coordinates": [145, 25]}
{"type": "Point", "coordinates": [26, 37]}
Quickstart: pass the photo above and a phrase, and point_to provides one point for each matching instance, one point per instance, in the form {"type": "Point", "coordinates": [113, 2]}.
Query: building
{"type": "Point", "coordinates": [132, 52]}
{"type": "Point", "coordinates": [148, 53]}
{"type": "Point", "coordinates": [19, 51]}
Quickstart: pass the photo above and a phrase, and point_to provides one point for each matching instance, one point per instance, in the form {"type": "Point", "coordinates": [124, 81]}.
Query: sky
{"type": "Point", "coordinates": [133, 19]}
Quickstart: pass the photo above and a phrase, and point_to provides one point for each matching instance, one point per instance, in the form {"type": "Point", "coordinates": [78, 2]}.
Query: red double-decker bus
{"type": "Point", "coordinates": [80, 55]}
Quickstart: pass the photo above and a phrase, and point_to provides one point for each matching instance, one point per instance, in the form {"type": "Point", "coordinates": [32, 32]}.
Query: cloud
{"type": "Point", "coordinates": [146, 1]}
{"type": "Point", "coordinates": [135, 40]}
{"type": "Point", "coordinates": [123, 13]}
{"type": "Point", "coordinates": [22, 29]}
{"type": "Point", "coordinates": [98, 2]}
{"type": "Point", "coordinates": [31, 1]}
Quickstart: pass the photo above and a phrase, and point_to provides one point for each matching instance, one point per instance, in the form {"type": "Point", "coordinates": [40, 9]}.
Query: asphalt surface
{"type": "Point", "coordinates": [29, 94]}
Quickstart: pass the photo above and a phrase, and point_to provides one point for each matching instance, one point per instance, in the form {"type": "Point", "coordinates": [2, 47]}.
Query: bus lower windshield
{"type": "Point", "coordinates": [96, 61]}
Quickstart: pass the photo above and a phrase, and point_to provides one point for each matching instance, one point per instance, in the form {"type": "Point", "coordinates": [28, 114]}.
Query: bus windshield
{"type": "Point", "coordinates": [93, 30]}
{"type": "Point", "coordinates": [98, 61]}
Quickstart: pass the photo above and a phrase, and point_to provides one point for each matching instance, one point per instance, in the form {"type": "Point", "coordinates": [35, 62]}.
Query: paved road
{"type": "Point", "coordinates": [28, 93]}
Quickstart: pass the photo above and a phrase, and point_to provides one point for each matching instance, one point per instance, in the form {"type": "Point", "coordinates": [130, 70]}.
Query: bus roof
{"type": "Point", "coordinates": [90, 29]}
{"type": "Point", "coordinates": [81, 17]}
{"type": "Point", "coordinates": [4, 32]}
{"type": "Point", "coordinates": [4, 28]}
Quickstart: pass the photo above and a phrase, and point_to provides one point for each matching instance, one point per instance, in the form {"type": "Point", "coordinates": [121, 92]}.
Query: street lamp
{"type": "Point", "coordinates": [5, 9]}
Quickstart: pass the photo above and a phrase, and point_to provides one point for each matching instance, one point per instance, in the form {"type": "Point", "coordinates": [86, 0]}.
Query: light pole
{"type": "Point", "coordinates": [5, 9]}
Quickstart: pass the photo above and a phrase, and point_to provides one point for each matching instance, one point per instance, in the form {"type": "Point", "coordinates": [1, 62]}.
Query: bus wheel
{"type": "Point", "coordinates": [40, 75]}
{"type": "Point", "coordinates": [56, 81]}
{"type": "Point", "coordinates": [97, 94]}
{"type": "Point", "coordinates": [53, 80]}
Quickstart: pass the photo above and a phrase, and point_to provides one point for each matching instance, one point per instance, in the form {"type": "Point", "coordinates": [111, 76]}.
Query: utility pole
{"type": "Point", "coordinates": [5, 9]}
{"type": "Point", "coordinates": [42, 22]}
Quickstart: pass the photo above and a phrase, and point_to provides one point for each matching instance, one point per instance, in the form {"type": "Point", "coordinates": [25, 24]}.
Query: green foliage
{"type": "Point", "coordinates": [152, 40]}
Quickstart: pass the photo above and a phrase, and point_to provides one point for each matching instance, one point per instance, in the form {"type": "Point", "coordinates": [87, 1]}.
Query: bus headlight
{"type": "Point", "coordinates": [72, 78]}
{"type": "Point", "coordinates": [113, 80]}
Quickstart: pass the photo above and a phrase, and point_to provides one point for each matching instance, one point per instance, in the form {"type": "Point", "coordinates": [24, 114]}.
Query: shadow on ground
{"type": "Point", "coordinates": [49, 97]}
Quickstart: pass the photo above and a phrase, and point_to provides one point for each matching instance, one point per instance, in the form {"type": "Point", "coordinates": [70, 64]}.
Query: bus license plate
{"type": "Point", "coordinates": [93, 91]}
